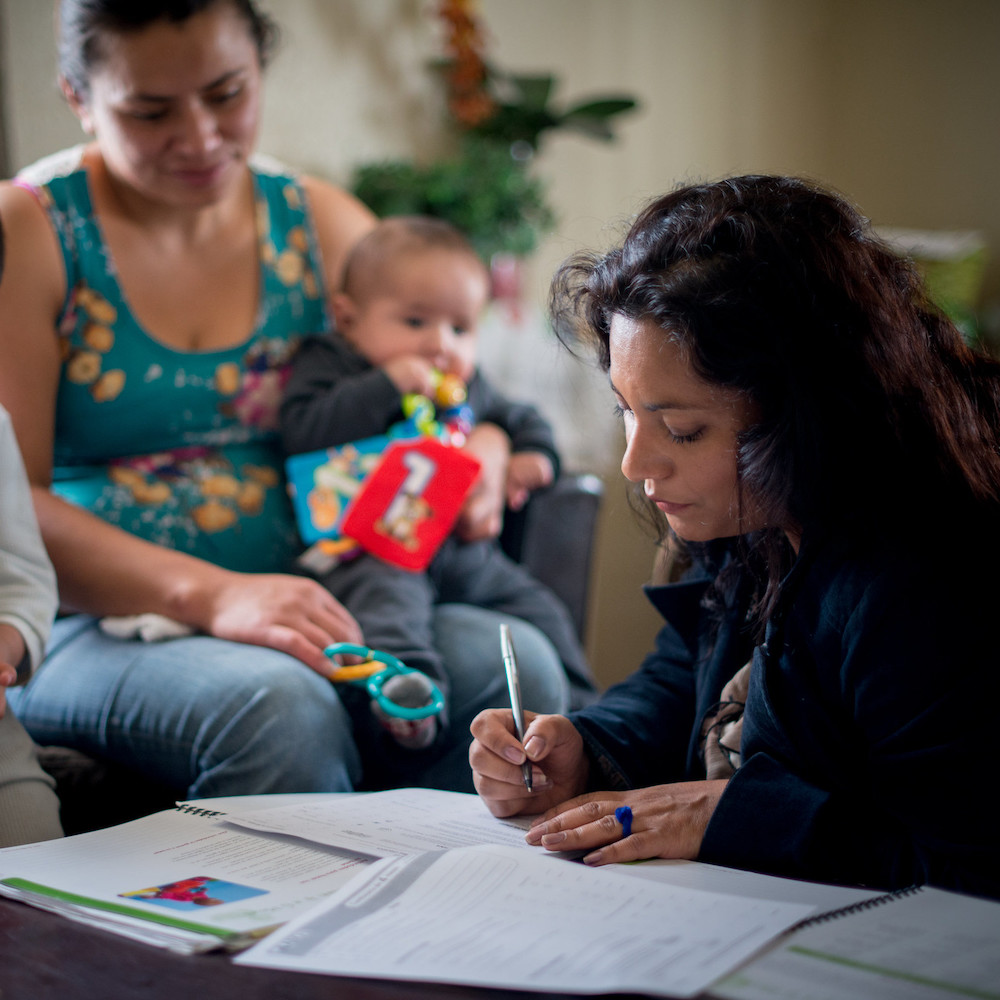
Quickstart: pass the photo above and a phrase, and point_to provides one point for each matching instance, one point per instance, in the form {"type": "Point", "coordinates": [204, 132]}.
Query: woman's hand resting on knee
{"type": "Point", "coordinates": [293, 614]}
{"type": "Point", "coordinates": [668, 821]}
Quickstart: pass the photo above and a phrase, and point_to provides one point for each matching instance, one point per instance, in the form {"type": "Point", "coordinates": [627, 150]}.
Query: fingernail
{"type": "Point", "coordinates": [514, 755]}
{"type": "Point", "coordinates": [533, 836]}
{"type": "Point", "coordinates": [534, 746]}
{"type": "Point", "coordinates": [553, 838]}
{"type": "Point", "coordinates": [592, 859]}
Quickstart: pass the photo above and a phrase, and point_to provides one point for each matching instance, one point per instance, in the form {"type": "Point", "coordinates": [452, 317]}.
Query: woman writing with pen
{"type": "Point", "coordinates": [823, 448]}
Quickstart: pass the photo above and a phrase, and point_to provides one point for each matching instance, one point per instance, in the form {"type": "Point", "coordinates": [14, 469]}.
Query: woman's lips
{"type": "Point", "coordinates": [672, 508]}
{"type": "Point", "coordinates": [200, 176]}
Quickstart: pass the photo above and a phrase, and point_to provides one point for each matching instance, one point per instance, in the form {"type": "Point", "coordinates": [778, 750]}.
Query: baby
{"type": "Point", "coordinates": [407, 313]}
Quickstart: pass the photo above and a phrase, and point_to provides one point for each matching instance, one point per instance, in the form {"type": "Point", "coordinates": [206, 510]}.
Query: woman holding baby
{"type": "Point", "coordinates": [159, 278]}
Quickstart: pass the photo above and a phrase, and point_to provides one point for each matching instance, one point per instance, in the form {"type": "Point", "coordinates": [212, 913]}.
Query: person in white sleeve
{"type": "Point", "coordinates": [29, 808]}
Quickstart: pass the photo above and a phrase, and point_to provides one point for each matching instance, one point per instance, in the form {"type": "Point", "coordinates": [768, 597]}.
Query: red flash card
{"type": "Point", "coordinates": [409, 503]}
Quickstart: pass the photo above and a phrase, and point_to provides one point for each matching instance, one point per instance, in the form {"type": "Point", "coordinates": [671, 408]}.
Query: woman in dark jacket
{"type": "Point", "coordinates": [824, 446]}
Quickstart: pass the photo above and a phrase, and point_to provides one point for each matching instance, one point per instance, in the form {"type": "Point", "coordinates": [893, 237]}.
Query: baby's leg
{"type": "Point", "coordinates": [393, 607]}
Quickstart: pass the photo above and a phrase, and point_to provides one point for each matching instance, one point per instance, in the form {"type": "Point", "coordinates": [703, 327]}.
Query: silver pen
{"type": "Point", "coordinates": [514, 688]}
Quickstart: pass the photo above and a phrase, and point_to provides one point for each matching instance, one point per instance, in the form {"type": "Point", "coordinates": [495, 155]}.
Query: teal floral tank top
{"type": "Point", "coordinates": [178, 447]}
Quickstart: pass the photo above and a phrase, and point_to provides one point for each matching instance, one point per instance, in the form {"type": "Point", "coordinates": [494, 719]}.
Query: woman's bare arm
{"type": "Point", "coordinates": [100, 568]}
{"type": "Point", "coordinates": [340, 221]}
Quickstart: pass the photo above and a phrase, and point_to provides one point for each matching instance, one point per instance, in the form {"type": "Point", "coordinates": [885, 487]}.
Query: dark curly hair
{"type": "Point", "coordinates": [872, 411]}
{"type": "Point", "coordinates": [80, 25]}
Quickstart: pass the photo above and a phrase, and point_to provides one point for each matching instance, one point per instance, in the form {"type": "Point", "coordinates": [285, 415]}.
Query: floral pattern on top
{"type": "Point", "coordinates": [180, 447]}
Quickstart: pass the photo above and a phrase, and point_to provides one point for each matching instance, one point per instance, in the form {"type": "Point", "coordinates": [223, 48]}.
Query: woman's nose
{"type": "Point", "coordinates": [642, 460]}
{"type": "Point", "coordinates": [199, 132]}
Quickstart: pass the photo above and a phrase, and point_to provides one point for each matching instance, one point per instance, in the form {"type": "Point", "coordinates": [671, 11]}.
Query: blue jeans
{"type": "Point", "coordinates": [211, 717]}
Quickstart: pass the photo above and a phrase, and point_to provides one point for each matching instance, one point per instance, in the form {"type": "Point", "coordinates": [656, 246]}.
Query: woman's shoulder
{"type": "Point", "coordinates": [49, 168]}
{"type": "Point", "coordinates": [43, 192]}
{"type": "Point", "coordinates": [322, 194]}
{"type": "Point", "coordinates": [846, 580]}
{"type": "Point", "coordinates": [34, 263]}
{"type": "Point", "coordinates": [334, 206]}
{"type": "Point", "coordinates": [339, 220]}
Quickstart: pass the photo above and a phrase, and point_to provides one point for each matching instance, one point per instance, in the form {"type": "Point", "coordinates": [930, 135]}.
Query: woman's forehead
{"type": "Point", "coordinates": [163, 56]}
{"type": "Point", "coordinates": [652, 365]}
{"type": "Point", "coordinates": [641, 350]}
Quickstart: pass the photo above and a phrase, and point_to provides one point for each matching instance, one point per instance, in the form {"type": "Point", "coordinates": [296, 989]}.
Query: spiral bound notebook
{"type": "Point", "coordinates": [907, 945]}
{"type": "Point", "coordinates": [182, 879]}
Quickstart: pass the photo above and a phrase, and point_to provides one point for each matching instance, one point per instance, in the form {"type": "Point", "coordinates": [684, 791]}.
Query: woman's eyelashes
{"type": "Point", "coordinates": [676, 436]}
{"type": "Point", "coordinates": [225, 96]}
{"type": "Point", "coordinates": [162, 110]}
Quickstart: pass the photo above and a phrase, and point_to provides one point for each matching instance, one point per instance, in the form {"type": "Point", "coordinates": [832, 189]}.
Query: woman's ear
{"type": "Point", "coordinates": [344, 312]}
{"type": "Point", "coordinates": [77, 105]}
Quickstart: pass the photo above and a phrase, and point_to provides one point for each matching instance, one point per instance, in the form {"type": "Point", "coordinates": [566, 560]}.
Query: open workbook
{"type": "Point", "coordinates": [191, 880]}
{"type": "Point", "coordinates": [182, 879]}
{"type": "Point", "coordinates": [425, 885]}
{"type": "Point", "coordinates": [917, 944]}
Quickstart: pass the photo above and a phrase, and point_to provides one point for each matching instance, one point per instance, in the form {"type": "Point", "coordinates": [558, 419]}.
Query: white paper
{"type": "Point", "coordinates": [233, 805]}
{"type": "Point", "coordinates": [383, 824]}
{"type": "Point", "coordinates": [262, 880]}
{"type": "Point", "coordinates": [926, 946]}
{"type": "Point", "coordinates": [736, 882]}
{"type": "Point", "coordinates": [505, 917]}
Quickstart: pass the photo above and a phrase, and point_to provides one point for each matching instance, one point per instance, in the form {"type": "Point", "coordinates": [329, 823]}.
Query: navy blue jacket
{"type": "Point", "coordinates": [868, 739]}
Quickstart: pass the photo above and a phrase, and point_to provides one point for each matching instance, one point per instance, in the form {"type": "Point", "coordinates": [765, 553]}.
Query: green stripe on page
{"type": "Point", "coordinates": [941, 984]}
{"type": "Point", "coordinates": [24, 885]}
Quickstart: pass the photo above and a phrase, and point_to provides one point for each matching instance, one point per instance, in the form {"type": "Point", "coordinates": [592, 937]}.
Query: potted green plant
{"type": "Point", "coordinates": [486, 184]}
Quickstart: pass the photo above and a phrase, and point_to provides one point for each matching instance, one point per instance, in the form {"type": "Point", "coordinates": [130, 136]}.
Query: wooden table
{"type": "Point", "coordinates": [47, 957]}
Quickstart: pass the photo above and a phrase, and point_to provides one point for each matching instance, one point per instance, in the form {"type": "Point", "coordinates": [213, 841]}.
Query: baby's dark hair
{"type": "Point", "coordinates": [81, 25]}
{"type": "Point", "coordinates": [395, 236]}
{"type": "Point", "coordinates": [871, 410]}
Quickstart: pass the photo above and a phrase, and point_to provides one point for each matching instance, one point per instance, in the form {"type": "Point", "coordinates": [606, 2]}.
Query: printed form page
{"type": "Point", "coordinates": [500, 916]}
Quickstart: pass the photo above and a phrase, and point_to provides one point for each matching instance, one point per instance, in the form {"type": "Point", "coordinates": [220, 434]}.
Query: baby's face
{"type": "Point", "coordinates": [429, 305]}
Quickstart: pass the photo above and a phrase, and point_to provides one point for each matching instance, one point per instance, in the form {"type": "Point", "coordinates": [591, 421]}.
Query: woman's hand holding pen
{"type": "Point", "coordinates": [668, 821]}
{"type": "Point", "coordinates": [551, 743]}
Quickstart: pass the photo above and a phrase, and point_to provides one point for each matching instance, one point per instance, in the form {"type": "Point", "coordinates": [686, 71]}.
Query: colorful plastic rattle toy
{"type": "Point", "coordinates": [447, 415]}
{"type": "Point", "coordinates": [378, 669]}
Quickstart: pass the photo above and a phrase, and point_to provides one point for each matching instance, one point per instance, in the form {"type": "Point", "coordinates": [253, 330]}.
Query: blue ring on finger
{"type": "Point", "coordinates": [624, 816]}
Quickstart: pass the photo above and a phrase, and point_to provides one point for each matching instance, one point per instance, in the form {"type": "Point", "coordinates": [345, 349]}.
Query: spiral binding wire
{"type": "Point", "coordinates": [196, 811]}
{"type": "Point", "coordinates": [865, 904]}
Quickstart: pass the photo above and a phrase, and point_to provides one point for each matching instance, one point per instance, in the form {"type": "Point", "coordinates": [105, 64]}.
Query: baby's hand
{"type": "Point", "coordinates": [411, 373]}
{"type": "Point", "coordinates": [482, 514]}
{"type": "Point", "coordinates": [527, 471]}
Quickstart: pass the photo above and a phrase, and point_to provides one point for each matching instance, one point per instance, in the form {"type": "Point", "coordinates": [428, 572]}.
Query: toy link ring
{"type": "Point", "coordinates": [378, 668]}
{"type": "Point", "coordinates": [624, 816]}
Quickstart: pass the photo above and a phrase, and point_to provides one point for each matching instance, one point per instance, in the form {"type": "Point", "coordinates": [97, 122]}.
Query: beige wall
{"type": "Point", "coordinates": [894, 102]}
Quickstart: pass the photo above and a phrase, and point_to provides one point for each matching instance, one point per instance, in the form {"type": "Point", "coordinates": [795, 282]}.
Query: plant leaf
{"type": "Point", "coordinates": [534, 90]}
{"type": "Point", "coordinates": [602, 107]}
